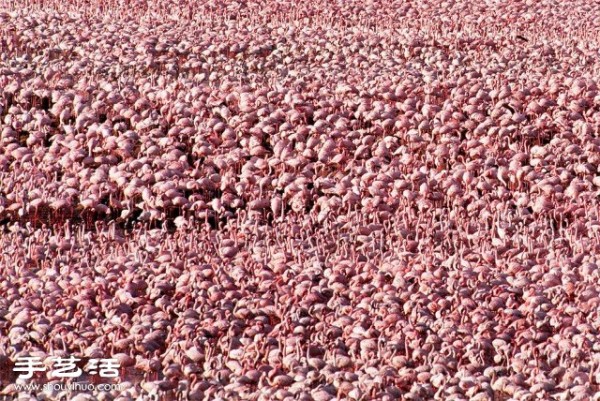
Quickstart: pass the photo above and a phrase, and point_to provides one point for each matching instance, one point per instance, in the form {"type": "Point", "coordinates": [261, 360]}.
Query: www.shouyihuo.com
{"type": "Point", "coordinates": [77, 386]}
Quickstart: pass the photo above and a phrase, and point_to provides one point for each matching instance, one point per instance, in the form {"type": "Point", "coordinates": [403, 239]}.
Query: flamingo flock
{"type": "Point", "coordinates": [324, 200]}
